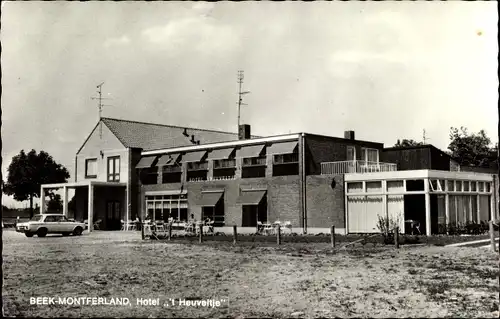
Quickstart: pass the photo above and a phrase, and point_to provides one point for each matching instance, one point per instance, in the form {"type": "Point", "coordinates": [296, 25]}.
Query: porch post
{"type": "Point", "coordinates": [492, 201]}
{"type": "Point", "coordinates": [478, 204]}
{"type": "Point", "coordinates": [127, 206]}
{"type": "Point", "coordinates": [446, 205]}
{"type": "Point", "coordinates": [42, 199]}
{"type": "Point", "coordinates": [91, 207]}
{"type": "Point", "coordinates": [65, 201]}
{"type": "Point", "coordinates": [427, 207]}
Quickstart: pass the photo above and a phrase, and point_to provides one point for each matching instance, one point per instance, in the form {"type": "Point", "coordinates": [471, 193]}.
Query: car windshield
{"type": "Point", "coordinates": [36, 218]}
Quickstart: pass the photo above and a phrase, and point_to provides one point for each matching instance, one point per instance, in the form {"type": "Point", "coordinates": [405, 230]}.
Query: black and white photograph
{"type": "Point", "coordinates": [251, 159]}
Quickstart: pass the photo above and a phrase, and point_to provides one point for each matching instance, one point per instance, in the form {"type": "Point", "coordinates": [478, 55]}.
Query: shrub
{"type": "Point", "coordinates": [387, 225]}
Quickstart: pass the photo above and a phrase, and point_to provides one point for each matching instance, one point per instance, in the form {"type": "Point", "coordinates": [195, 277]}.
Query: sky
{"type": "Point", "coordinates": [387, 70]}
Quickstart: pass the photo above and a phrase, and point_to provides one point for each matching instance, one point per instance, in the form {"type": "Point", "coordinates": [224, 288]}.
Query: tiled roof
{"type": "Point", "coordinates": [149, 136]}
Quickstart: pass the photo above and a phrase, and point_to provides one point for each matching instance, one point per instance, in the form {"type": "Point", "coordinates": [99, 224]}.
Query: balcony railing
{"type": "Point", "coordinates": [344, 167]}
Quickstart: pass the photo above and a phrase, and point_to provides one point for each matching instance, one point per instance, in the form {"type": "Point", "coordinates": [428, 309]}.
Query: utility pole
{"type": "Point", "coordinates": [100, 105]}
{"type": "Point", "coordinates": [240, 96]}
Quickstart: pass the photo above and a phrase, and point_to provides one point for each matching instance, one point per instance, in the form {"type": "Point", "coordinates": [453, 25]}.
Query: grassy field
{"type": "Point", "coordinates": [259, 280]}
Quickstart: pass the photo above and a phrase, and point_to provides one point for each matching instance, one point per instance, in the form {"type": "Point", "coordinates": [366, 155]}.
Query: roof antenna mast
{"type": "Point", "coordinates": [100, 105]}
{"type": "Point", "coordinates": [240, 96]}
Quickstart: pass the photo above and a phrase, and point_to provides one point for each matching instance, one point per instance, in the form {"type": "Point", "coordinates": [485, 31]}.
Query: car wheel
{"type": "Point", "coordinates": [28, 234]}
{"type": "Point", "coordinates": [78, 231]}
{"type": "Point", "coordinates": [42, 232]}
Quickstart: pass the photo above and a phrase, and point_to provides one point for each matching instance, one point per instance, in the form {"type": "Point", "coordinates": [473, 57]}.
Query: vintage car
{"type": "Point", "coordinates": [44, 224]}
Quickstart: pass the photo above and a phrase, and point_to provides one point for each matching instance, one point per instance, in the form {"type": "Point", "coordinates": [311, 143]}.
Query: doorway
{"type": "Point", "coordinates": [113, 214]}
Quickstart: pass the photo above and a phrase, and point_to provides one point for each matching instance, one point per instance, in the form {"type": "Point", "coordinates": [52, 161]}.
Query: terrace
{"type": "Point", "coordinates": [344, 167]}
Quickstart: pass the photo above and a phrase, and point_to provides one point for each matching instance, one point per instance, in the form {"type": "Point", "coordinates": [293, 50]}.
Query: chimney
{"type": "Point", "coordinates": [349, 135]}
{"type": "Point", "coordinates": [244, 132]}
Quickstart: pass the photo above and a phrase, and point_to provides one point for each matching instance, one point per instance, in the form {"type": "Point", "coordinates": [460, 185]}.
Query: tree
{"type": "Point", "coordinates": [472, 149]}
{"type": "Point", "coordinates": [55, 203]}
{"type": "Point", "coordinates": [27, 172]}
{"type": "Point", "coordinates": [407, 143]}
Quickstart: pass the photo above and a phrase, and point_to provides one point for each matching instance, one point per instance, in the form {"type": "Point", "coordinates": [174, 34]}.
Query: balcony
{"type": "Point", "coordinates": [344, 167]}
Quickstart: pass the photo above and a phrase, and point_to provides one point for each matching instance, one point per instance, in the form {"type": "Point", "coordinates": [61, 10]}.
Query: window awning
{"type": "Point", "coordinates": [222, 153]}
{"type": "Point", "coordinates": [193, 156]}
{"type": "Point", "coordinates": [210, 199]}
{"type": "Point", "coordinates": [168, 160]}
{"type": "Point", "coordinates": [169, 192]}
{"type": "Point", "coordinates": [251, 197]}
{"type": "Point", "coordinates": [250, 151]}
{"type": "Point", "coordinates": [282, 148]}
{"type": "Point", "coordinates": [146, 162]}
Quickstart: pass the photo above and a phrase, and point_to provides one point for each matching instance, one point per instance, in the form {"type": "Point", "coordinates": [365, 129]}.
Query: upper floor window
{"type": "Point", "coordinates": [286, 158]}
{"type": "Point", "coordinates": [91, 168]}
{"type": "Point", "coordinates": [254, 161]}
{"type": "Point", "coordinates": [351, 153]}
{"type": "Point", "coordinates": [224, 163]}
{"type": "Point", "coordinates": [114, 169]}
{"type": "Point", "coordinates": [370, 154]}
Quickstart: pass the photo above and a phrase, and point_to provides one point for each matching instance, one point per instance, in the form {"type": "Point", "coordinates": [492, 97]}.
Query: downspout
{"type": "Point", "coordinates": [303, 182]}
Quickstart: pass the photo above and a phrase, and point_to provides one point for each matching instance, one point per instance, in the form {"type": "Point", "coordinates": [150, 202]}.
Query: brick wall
{"type": "Point", "coordinates": [329, 149]}
{"type": "Point", "coordinates": [408, 159]}
{"type": "Point", "coordinates": [282, 197]}
{"type": "Point", "coordinates": [325, 205]}
{"type": "Point", "coordinates": [133, 183]}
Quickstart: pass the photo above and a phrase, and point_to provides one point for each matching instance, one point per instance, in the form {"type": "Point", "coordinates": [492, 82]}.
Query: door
{"type": "Point", "coordinates": [113, 215]}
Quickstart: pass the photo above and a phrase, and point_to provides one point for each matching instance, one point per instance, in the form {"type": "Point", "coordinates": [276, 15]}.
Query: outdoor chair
{"type": "Point", "coordinates": [189, 227]}
{"type": "Point", "coordinates": [269, 229]}
{"type": "Point", "coordinates": [97, 224]}
{"type": "Point", "coordinates": [147, 228]}
{"type": "Point", "coordinates": [260, 227]}
{"type": "Point", "coordinates": [160, 227]}
{"type": "Point", "coordinates": [209, 228]}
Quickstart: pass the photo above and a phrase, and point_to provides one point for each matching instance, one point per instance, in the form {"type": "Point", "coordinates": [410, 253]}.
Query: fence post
{"type": "Point", "coordinates": [201, 233]}
{"type": "Point", "coordinates": [169, 230]}
{"type": "Point", "coordinates": [278, 234]}
{"type": "Point", "coordinates": [332, 236]}
{"type": "Point", "coordinates": [396, 237]}
{"type": "Point", "coordinates": [235, 235]}
{"type": "Point", "coordinates": [492, 236]}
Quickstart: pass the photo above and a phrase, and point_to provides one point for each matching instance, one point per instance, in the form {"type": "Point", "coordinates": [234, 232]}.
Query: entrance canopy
{"type": "Point", "coordinates": [91, 190]}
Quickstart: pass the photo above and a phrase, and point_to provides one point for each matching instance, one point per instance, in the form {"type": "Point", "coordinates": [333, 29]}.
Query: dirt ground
{"type": "Point", "coordinates": [306, 280]}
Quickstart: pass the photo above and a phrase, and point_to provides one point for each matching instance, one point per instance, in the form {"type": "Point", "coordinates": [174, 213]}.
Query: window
{"type": "Point", "coordinates": [370, 154]}
{"type": "Point", "coordinates": [254, 161]}
{"type": "Point", "coordinates": [168, 206]}
{"type": "Point", "coordinates": [91, 168]}
{"type": "Point", "coordinates": [149, 175]}
{"type": "Point", "coordinates": [224, 163]}
{"type": "Point", "coordinates": [171, 174]}
{"type": "Point", "coordinates": [286, 158]}
{"type": "Point", "coordinates": [195, 166]}
{"type": "Point", "coordinates": [466, 186]}
{"type": "Point", "coordinates": [114, 169]}
{"type": "Point", "coordinates": [351, 153]}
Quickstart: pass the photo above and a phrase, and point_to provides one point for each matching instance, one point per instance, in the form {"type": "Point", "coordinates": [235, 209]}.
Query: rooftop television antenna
{"type": "Point", "coordinates": [425, 138]}
{"type": "Point", "coordinates": [100, 105]}
{"type": "Point", "coordinates": [240, 96]}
